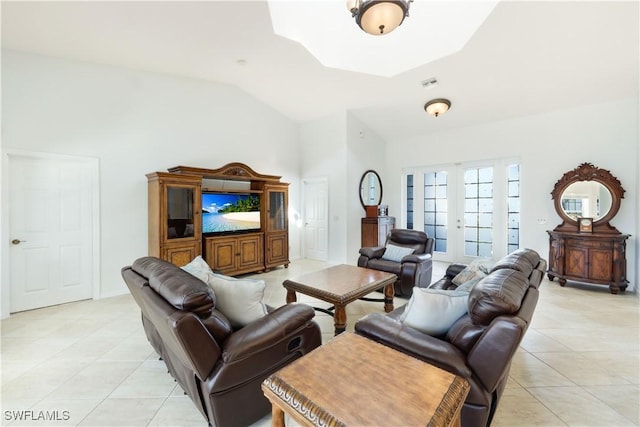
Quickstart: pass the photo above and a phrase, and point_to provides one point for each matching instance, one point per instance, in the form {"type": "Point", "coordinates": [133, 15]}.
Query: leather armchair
{"type": "Point", "coordinates": [412, 270]}
{"type": "Point", "coordinates": [219, 368]}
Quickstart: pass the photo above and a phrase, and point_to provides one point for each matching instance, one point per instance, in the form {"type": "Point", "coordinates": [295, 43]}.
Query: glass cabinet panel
{"type": "Point", "coordinates": [277, 211]}
{"type": "Point", "coordinates": [180, 212]}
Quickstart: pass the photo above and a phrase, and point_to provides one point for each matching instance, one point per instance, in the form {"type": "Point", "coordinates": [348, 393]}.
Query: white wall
{"type": "Point", "coordinates": [548, 145]}
{"type": "Point", "coordinates": [136, 122]}
{"type": "Point", "coordinates": [365, 150]}
{"type": "Point", "coordinates": [323, 155]}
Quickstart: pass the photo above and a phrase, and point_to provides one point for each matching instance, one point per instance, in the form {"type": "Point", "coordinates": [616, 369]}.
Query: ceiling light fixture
{"type": "Point", "coordinates": [435, 107]}
{"type": "Point", "coordinates": [379, 17]}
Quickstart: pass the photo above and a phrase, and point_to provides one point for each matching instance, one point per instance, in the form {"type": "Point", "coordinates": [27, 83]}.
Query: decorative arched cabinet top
{"type": "Point", "coordinates": [232, 171]}
{"type": "Point", "coordinates": [587, 191]}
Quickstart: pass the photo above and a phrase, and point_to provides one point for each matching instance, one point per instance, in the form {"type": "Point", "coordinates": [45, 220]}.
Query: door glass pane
{"type": "Point", "coordinates": [179, 212]}
{"type": "Point", "coordinates": [513, 208]}
{"type": "Point", "coordinates": [478, 190]}
{"type": "Point", "coordinates": [410, 202]}
{"type": "Point", "coordinates": [435, 208]}
{"type": "Point", "coordinates": [276, 211]}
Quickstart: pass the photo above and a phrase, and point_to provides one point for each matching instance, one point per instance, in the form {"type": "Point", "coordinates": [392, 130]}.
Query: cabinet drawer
{"type": "Point", "coordinates": [590, 244]}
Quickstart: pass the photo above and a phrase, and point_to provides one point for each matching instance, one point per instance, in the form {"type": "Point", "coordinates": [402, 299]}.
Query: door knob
{"type": "Point", "coordinates": [17, 241]}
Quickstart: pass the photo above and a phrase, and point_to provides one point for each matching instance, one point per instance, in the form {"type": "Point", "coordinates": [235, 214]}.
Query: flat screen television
{"type": "Point", "coordinates": [230, 212]}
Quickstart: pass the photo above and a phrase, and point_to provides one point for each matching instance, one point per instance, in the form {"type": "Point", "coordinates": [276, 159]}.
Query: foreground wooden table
{"type": "Point", "coordinates": [353, 381]}
{"type": "Point", "coordinates": [340, 285]}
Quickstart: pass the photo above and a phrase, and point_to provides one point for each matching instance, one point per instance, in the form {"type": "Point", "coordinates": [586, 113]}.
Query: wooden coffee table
{"type": "Point", "coordinates": [340, 285]}
{"type": "Point", "coordinates": [354, 381]}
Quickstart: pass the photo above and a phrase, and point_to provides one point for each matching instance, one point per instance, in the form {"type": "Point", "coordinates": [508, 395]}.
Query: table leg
{"type": "Point", "coordinates": [291, 296]}
{"type": "Point", "coordinates": [277, 416]}
{"type": "Point", "coordinates": [388, 298]}
{"type": "Point", "coordinates": [340, 319]}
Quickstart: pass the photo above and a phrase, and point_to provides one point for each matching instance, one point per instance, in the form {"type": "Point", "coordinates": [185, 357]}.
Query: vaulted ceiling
{"type": "Point", "coordinates": [524, 58]}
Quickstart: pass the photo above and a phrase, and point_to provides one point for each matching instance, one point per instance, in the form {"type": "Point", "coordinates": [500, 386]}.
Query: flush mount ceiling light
{"type": "Point", "coordinates": [435, 107]}
{"type": "Point", "coordinates": [379, 17]}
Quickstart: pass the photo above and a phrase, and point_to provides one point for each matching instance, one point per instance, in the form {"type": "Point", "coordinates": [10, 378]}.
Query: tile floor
{"type": "Point", "coordinates": [89, 364]}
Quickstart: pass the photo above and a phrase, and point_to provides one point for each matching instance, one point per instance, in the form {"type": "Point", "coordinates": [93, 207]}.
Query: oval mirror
{"type": "Point", "coordinates": [589, 192]}
{"type": "Point", "coordinates": [370, 189]}
{"type": "Point", "coordinates": [590, 199]}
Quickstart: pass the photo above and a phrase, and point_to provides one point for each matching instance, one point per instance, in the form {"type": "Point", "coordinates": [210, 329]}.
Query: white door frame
{"type": "Point", "coordinates": [5, 226]}
{"type": "Point", "coordinates": [304, 213]}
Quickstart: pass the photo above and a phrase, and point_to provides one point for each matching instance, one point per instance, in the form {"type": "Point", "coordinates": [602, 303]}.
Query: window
{"type": "Point", "coordinates": [478, 212]}
{"type": "Point", "coordinates": [435, 208]}
{"type": "Point", "coordinates": [513, 207]}
{"type": "Point", "coordinates": [410, 201]}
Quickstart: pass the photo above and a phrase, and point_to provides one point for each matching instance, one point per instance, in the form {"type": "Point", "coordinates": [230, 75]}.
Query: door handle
{"type": "Point", "coordinates": [17, 241]}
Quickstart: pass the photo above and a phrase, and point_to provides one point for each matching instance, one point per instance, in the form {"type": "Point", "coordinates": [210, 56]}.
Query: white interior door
{"type": "Point", "coordinates": [51, 230]}
{"type": "Point", "coordinates": [316, 211]}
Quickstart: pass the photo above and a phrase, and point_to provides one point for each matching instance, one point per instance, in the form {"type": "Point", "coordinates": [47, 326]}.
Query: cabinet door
{"type": "Point", "coordinates": [576, 262]}
{"type": "Point", "coordinates": [276, 209]}
{"type": "Point", "coordinates": [601, 265]}
{"type": "Point", "coordinates": [250, 249]}
{"type": "Point", "coordinates": [221, 254]}
{"type": "Point", "coordinates": [277, 249]}
{"type": "Point", "coordinates": [181, 212]}
{"type": "Point", "coordinates": [181, 254]}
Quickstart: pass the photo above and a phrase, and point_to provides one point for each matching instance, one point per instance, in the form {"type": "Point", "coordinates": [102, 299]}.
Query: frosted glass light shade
{"type": "Point", "coordinates": [435, 107]}
{"type": "Point", "coordinates": [379, 18]}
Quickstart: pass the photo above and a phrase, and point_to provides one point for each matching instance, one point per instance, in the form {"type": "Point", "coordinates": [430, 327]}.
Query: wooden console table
{"type": "Point", "coordinates": [354, 381]}
{"type": "Point", "coordinates": [596, 258]}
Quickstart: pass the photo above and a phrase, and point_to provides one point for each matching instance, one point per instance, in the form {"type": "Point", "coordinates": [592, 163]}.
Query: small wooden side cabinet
{"type": "Point", "coordinates": [591, 258]}
{"type": "Point", "coordinates": [374, 230]}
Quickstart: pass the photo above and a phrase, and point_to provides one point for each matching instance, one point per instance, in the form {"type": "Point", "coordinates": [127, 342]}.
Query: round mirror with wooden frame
{"type": "Point", "coordinates": [587, 192]}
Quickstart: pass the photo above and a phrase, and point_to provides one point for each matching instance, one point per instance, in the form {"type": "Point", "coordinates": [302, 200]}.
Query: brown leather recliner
{"type": "Point", "coordinates": [480, 345]}
{"type": "Point", "coordinates": [219, 368]}
{"type": "Point", "coordinates": [412, 270]}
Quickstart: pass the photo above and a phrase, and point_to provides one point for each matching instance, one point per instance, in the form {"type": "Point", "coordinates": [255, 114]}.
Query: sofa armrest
{"type": "Point", "coordinates": [495, 348]}
{"type": "Point", "coordinates": [373, 251]}
{"type": "Point", "coordinates": [454, 269]}
{"type": "Point", "coordinates": [395, 334]}
{"type": "Point", "coordinates": [265, 332]}
{"type": "Point", "coordinates": [416, 258]}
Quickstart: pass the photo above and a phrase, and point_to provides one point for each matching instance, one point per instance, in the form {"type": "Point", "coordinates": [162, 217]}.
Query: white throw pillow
{"type": "Point", "coordinates": [199, 268]}
{"type": "Point", "coordinates": [396, 253]}
{"type": "Point", "coordinates": [433, 311]}
{"type": "Point", "coordinates": [240, 300]}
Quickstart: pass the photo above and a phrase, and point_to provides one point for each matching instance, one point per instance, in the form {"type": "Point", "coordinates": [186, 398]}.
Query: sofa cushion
{"type": "Point", "coordinates": [396, 253]}
{"type": "Point", "coordinates": [433, 311]}
{"type": "Point", "coordinates": [478, 268]}
{"type": "Point", "coordinates": [499, 293]}
{"type": "Point", "coordinates": [181, 289]}
{"type": "Point", "coordinates": [240, 300]}
{"type": "Point", "coordinates": [523, 260]}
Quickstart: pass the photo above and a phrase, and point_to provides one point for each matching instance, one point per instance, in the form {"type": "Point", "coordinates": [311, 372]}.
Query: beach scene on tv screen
{"type": "Point", "coordinates": [230, 212]}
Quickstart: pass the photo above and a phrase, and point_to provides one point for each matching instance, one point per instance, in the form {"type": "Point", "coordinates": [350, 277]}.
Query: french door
{"type": "Point", "coordinates": [472, 210]}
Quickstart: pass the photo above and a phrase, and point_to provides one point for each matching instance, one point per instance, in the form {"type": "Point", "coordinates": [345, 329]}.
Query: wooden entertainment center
{"type": "Point", "coordinates": [176, 215]}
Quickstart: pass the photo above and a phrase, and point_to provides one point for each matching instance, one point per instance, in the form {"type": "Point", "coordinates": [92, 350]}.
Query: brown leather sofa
{"type": "Point", "coordinates": [479, 346]}
{"type": "Point", "coordinates": [412, 270]}
{"type": "Point", "coordinates": [219, 368]}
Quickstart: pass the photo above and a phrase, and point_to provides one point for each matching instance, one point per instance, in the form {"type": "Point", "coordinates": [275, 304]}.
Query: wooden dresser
{"type": "Point", "coordinates": [374, 230]}
{"type": "Point", "coordinates": [588, 257]}
{"type": "Point", "coordinates": [586, 247]}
